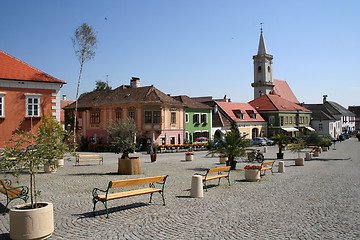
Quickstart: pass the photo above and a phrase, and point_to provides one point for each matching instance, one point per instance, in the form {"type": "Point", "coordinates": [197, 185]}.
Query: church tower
{"type": "Point", "coordinates": [263, 78]}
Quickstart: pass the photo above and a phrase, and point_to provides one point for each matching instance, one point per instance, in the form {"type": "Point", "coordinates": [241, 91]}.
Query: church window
{"type": "Point", "coordinates": [269, 69]}
{"type": "Point", "coordinates": [259, 69]}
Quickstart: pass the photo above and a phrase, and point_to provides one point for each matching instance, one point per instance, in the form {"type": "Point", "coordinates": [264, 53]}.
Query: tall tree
{"type": "Point", "coordinates": [102, 86]}
{"type": "Point", "coordinates": [84, 43]}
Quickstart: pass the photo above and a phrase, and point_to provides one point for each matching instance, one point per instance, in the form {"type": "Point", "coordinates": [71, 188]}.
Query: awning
{"type": "Point", "coordinates": [290, 129]}
{"type": "Point", "coordinates": [310, 129]}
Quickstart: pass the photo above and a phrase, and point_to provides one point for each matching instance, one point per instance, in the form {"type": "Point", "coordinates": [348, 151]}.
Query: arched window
{"type": "Point", "coordinates": [269, 69]}
{"type": "Point", "coordinates": [259, 68]}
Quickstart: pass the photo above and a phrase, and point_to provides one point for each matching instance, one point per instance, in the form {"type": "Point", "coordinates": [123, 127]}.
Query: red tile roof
{"type": "Point", "coordinates": [12, 68]}
{"type": "Point", "coordinates": [275, 103]}
{"type": "Point", "coordinates": [231, 108]}
{"type": "Point", "coordinates": [64, 103]}
{"type": "Point", "coordinates": [283, 90]}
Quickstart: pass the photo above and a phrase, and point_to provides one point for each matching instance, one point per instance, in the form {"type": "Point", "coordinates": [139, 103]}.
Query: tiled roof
{"type": "Point", "coordinates": [124, 96]}
{"type": "Point", "coordinates": [232, 109]}
{"type": "Point", "coordinates": [271, 102]}
{"type": "Point", "coordinates": [191, 103]}
{"type": "Point", "coordinates": [12, 68]}
{"type": "Point", "coordinates": [282, 89]}
{"type": "Point", "coordinates": [64, 103]}
{"type": "Point", "coordinates": [328, 111]}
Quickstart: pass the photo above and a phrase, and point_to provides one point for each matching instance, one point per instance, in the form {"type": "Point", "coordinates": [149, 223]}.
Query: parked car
{"type": "Point", "coordinates": [269, 142]}
{"type": "Point", "coordinates": [258, 141]}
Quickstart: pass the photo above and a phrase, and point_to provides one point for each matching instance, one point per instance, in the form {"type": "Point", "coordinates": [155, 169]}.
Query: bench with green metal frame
{"type": "Point", "coordinates": [218, 175]}
{"type": "Point", "coordinates": [13, 193]}
{"type": "Point", "coordinates": [105, 195]}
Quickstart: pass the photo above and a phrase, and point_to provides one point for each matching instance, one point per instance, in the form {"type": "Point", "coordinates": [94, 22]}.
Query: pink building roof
{"type": "Point", "coordinates": [234, 110]}
{"type": "Point", "coordinates": [282, 89]}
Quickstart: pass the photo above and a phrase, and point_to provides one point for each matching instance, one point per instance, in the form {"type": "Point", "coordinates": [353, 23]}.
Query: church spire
{"type": "Point", "coordinates": [262, 46]}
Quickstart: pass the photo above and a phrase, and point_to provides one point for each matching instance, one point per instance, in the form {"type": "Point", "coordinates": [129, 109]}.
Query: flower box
{"type": "Point", "coordinates": [189, 156]}
{"type": "Point", "coordinates": [252, 173]}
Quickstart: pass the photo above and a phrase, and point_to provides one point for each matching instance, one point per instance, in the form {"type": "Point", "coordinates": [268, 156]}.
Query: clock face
{"type": "Point", "coordinates": [259, 62]}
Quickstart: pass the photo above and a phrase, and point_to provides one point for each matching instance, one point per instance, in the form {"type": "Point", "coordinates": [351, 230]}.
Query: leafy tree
{"type": "Point", "coordinates": [102, 86]}
{"type": "Point", "coordinates": [296, 147]}
{"type": "Point", "coordinates": [231, 144]}
{"type": "Point", "coordinates": [281, 140]}
{"type": "Point", "coordinates": [123, 131]}
{"type": "Point", "coordinates": [30, 151]}
{"type": "Point", "coordinates": [84, 43]}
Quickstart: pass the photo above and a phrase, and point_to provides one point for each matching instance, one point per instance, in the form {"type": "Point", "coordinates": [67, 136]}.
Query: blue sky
{"type": "Point", "coordinates": [194, 48]}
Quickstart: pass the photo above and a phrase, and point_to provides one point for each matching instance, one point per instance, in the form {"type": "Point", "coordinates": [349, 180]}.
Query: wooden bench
{"type": "Point", "coordinates": [88, 158]}
{"type": "Point", "coordinates": [105, 195]}
{"type": "Point", "coordinates": [267, 166]}
{"type": "Point", "coordinates": [218, 175]}
{"type": "Point", "coordinates": [13, 193]}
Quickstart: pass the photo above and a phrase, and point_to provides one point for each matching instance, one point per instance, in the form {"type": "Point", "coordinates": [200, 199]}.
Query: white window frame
{"type": "Point", "coordinates": [206, 118]}
{"type": "Point", "coordinates": [33, 96]}
{"type": "Point", "coordinates": [2, 104]}
{"type": "Point", "coordinates": [186, 117]}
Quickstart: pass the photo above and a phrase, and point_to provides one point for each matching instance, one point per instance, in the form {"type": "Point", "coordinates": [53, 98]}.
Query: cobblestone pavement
{"type": "Point", "coordinates": [317, 201]}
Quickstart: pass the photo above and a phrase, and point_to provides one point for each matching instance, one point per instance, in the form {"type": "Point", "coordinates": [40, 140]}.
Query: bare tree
{"type": "Point", "coordinates": [84, 43]}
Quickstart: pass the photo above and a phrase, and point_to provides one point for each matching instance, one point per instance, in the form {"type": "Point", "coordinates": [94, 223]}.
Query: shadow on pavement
{"type": "Point", "coordinates": [111, 210]}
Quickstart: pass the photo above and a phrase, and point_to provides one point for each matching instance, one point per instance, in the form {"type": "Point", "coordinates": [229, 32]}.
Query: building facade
{"type": "Point", "coordinates": [158, 117]}
{"type": "Point", "coordinates": [198, 119]}
{"type": "Point", "coordinates": [26, 94]}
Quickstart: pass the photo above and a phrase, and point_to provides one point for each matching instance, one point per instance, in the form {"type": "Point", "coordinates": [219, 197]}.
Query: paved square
{"type": "Point", "coordinates": [317, 201]}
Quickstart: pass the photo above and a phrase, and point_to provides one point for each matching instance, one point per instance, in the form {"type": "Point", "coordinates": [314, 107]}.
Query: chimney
{"type": "Point", "coordinates": [64, 97]}
{"type": "Point", "coordinates": [135, 82]}
{"type": "Point", "coordinates": [324, 98]}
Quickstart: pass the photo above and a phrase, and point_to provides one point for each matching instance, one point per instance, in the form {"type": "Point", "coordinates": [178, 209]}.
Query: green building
{"type": "Point", "coordinates": [197, 119]}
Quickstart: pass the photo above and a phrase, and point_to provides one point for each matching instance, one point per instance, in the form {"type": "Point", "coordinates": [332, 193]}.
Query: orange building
{"type": "Point", "coordinates": [26, 94]}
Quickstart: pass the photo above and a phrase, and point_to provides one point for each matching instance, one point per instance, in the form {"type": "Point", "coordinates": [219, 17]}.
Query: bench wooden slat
{"type": "Point", "coordinates": [214, 177]}
{"type": "Point", "coordinates": [263, 169]}
{"type": "Point", "coordinates": [138, 181]}
{"type": "Point", "coordinates": [221, 169]}
{"type": "Point", "coordinates": [89, 160]}
{"type": "Point", "coordinates": [84, 156]}
{"type": "Point", "coordinates": [112, 196]}
{"type": "Point", "coordinates": [11, 192]}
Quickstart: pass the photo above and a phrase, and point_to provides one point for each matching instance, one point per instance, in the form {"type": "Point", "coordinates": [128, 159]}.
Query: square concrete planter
{"type": "Point", "coordinates": [299, 162]}
{"type": "Point", "coordinates": [189, 157]}
{"type": "Point", "coordinates": [252, 175]}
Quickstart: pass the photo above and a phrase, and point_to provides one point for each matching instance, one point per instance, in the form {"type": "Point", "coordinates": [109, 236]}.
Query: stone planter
{"type": "Point", "coordinates": [49, 168]}
{"type": "Point", "coordinates": [223, 160]}
{"type": "Point", "coordinates": [59, 162]}
{"type": "Point", "coordinates": [37, 223]}
{"type": "Point", "coordinates": [189, 157]}
{"type": "Point", "coordinates": [299, 162]}
{"type": "Point", "coordinates": [130, 166]}
{"type": "Point", "coordinates": [252, 175]}
{"type": "Point", "coordinates": [316, 154]}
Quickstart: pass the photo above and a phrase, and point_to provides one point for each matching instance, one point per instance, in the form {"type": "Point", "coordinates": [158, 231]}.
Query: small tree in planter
{"type": "Point", "coordinates": [30, 151]}
{"type": "Point", "coordinates": [296, 147]}
{"type": "Point", "coordinates": [123, 133]}
{"type": "Point", "coordinates": [281, 140]}
{"type": "Point", "coordinates": [231, 144]}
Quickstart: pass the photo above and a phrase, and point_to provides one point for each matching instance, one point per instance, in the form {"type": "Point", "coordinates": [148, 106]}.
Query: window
{"type": "Point", "coordinates": [320, 126]}
{"type": "Point", "coordinates": [294, 120]}
{"type": "Point", "coordinates": [95, 117]}
{"type": "Point", "coordinates": [204, 118]}
{"type": "Point", "coordinates": [156, 116]}
{"type": "Point", "coordinates": [286, 120]}
{"type": "Point", "coordinates": [173, 118]}
{"type": "Point", "coordinates": [281, 121]}
{"type": "Point", "coordinates": [269, 69]}
{"type": "Point", "coordinates": [186, 117]}
{"type": "Point", "coordinates": [132, 115]}
{"type": "Point", "coordinates": [238, 114]}
{"type": "Point", "coordinates": [148, 116]}
{"type": "Point", "coordinates": [2, 104]}
{"type": "Point", "coordinates": [187, 136]}
{"type": "Point", "coordinates": [196, 118]}
{"type": "Point", "coordinates": [118, 114]}
{"type": "Point", "coordinates": [259, 69]}
{"type": "Point", "coordinates": [32, 105]}
{"type": "Point", "coordinates": [271, 119]}
{"type": "Point", "coordinates": [290, 120]}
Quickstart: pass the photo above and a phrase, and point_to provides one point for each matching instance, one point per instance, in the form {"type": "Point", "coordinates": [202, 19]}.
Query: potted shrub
{"type": "Point", "coordinates": [296, 147]}
{"type": "Point", "coordinates": [189, 156]}
{"type": "Point", "coordinates": [153, 154]}
{"type": "Point", "coordinates": [35, 219]}
{"type": "Point", "coordinates": [281, 140]}
{"type": "Point", "coordinates": [252, 173]}
{"type": "Point", "coordinates": [122, 132]}
{"type": "Point", "coordinates": [232, 144]}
